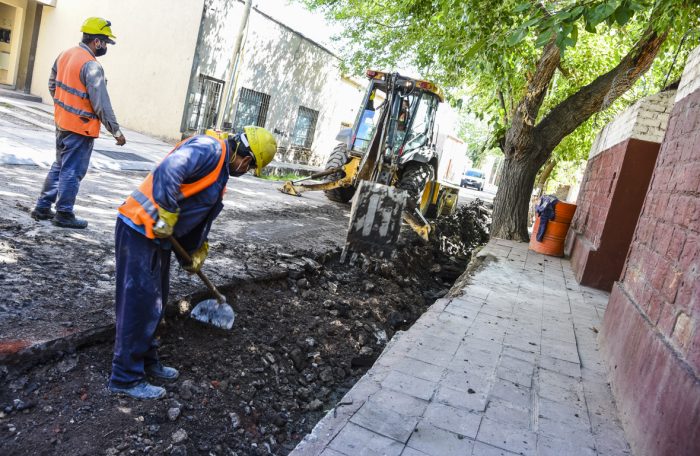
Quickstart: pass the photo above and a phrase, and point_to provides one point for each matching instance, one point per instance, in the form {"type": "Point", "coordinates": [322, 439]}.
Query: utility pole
{"type": "Point", "coordinates": [228, 85]}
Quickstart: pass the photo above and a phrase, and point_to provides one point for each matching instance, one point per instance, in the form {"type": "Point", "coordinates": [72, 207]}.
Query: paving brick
{"type": "Point", "coordinates": [554, 393]}
{"type": "Point", "coordinates": [499, 410]}
{"type": "Point", "coordinates": [385, 421]}
{"type": "Point", "coordinates": [518, 396]}
{"type": "Point", "coordinates": [507, 436]}
{"type": "Point", "coordinates": [416, 387]}
{"type": "Point", "coordinates": [483, 449]}
{"type": "Point", "coordinates": [437, 442]}
{"type": "Point", "coordinates": [398, 402]}
{"type": "Point", "coordinates": [431, 356]}
{"type": "Point", "coordinates": [547, 377]}
{"type": "Point", "coordinates": [518, 377]}
{"type": "Point", "coordinates": [330, 452]}
{"type": "Point", "coordinates": [464, 381]}
{"type": "Point", "coordinates": [561, 351]}
{"type": "Point", "coordinates": [564, 413]}
{"type": "Point", "coordinates": [418, 368]}
{"type": "Point", "coordinates": [560, 366]}
{"type": "Point", "coordinates": [355, 440]}
{"type": "Point", "coordinates": [551, 446]}
{"type": "Point", "coordinates": [526, 355]}
{"type": "Point", "coordinates": [459, 421]}
{"type": "Point", "coordinates": [462, 399]}
{"type": "Point", "coordinates": [413, 452]}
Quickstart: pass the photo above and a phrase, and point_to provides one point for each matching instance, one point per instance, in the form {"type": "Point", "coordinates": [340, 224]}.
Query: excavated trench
{"type": "Point", "coordinates": [298, 344]}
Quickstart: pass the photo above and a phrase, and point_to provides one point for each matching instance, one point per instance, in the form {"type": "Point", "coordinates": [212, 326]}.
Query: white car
{"type": "Point", "coordinates": [473, 178]}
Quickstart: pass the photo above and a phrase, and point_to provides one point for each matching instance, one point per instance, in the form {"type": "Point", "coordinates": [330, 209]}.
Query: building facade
{"type": "Point", "coordinates": [167, 72]}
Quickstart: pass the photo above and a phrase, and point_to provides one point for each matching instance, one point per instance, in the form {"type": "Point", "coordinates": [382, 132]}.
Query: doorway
{"type": "Point", "coordinates": [11, 22]}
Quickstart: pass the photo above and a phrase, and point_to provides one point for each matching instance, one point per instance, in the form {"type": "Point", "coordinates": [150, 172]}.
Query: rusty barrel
{"type": "Point", "coordinates": [555, 234]}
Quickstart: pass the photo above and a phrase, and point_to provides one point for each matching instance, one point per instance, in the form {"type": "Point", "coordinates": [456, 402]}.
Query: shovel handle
{"type": "Point", "coordinates": [186, 256]}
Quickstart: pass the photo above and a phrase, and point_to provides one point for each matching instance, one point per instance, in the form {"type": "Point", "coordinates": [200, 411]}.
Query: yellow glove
{"type": "Point", "coordinates": [198, 258]}
{"type": "Point", "coordinates": [166, 223]}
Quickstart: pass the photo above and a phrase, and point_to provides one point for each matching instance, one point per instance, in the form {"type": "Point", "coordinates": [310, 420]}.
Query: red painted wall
{"type": "Point", "coordinates": [609, 202]}
{"type": "Point", "coordinates": [651, 329]}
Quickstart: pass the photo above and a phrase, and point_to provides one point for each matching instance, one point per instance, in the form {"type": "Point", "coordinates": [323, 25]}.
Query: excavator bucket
{"type": "Point", "coordinates": [375, 219]}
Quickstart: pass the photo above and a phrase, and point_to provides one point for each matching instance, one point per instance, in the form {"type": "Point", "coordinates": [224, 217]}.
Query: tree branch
{"type": "Point", "coordinates": [503, 105]}
{"type": "Point", "coordinates": [599, 94]}
{"type": "Point", "coordinates": [521, 131]}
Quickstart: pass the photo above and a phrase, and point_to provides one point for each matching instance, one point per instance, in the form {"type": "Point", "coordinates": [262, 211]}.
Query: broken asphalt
{"type": "Point", "coordinates": [58, 285]}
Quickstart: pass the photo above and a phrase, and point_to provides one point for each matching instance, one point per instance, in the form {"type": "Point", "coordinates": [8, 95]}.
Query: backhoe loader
{"type": "Point", "coordinates": [388, 162]}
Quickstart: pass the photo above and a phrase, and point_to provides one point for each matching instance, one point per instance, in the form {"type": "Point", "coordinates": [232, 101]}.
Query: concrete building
{"type": "Point", "coordinates": [166, 73]}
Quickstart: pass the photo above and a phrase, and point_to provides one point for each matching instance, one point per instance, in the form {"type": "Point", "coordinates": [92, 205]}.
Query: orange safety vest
{"type": "Point", "coordinates": [142, 209]}
{"type": "Point", "coordinates": [72, 108]}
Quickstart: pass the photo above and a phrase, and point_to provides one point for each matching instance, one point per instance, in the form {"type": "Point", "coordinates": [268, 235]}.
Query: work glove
{"type": "Point", "coordinates": [198, 258]}
{"type": "Point", "coordinates": [166, 223]}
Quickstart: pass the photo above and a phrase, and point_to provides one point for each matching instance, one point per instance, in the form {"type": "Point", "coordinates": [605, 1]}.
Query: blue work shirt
{"type": "Point", "coordinates": [193, 160]}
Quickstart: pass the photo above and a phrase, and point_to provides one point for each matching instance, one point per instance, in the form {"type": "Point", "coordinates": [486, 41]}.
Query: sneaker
{"type": "Point", "coordinates": [162, 372]}
{"type": "Point", "coordinates": [68, 220]}
{"type": "Point", "coordinates": [42, 213]}
{"type": "Point", "coordinates": [143, 390]}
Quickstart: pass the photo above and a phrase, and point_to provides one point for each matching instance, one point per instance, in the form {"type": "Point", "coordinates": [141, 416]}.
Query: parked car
{"type": "Point", "coordinates": [473, 178]}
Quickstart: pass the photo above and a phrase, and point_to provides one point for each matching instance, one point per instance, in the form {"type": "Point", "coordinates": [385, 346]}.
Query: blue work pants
{"type": "Point", "coordinates": [143, 275]}
{"type": "Point", "coordinates": [63, 181]}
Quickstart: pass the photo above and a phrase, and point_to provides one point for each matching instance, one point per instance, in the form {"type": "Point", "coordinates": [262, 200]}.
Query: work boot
{"type": "Point", "coordinates": [161, 372]}
{"type": "Point", "coordinates": [68, 220]}
{"type": "Point", "coordinates": [143, 390]}
{"type": "Point", "coordinates": [42, 213]}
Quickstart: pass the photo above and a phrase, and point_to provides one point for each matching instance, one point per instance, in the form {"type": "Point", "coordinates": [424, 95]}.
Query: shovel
{"type": "Point", "coordinates": [214, 312]}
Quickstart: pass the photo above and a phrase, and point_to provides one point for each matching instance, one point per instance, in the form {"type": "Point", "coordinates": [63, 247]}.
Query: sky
{"type": "Point", "coordinates": [294, 14]}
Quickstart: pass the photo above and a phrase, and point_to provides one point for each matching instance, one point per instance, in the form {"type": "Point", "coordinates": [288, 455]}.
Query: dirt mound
{"type": "Point", "coordinates": [297, 346]}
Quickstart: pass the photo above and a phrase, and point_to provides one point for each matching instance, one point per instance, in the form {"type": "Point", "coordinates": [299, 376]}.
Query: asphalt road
{"type": "Point", "coordinates": [467, 195]}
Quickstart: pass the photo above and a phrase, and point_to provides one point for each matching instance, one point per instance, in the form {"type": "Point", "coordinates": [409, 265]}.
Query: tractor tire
{"type": "Point", "coordinates": [414, 177]}
{"type": "Point", "coordinates": [338, 157]}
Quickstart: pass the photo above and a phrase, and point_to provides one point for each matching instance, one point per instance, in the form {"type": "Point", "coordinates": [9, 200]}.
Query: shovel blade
{"type": "Point", "coordinates": [211, 312]}
{"type": "Point", "coordinates": [375, 219]}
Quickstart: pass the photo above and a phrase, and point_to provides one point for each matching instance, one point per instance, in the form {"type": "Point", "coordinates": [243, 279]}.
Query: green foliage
{"type": "Point", "coordinates": [484, 51]}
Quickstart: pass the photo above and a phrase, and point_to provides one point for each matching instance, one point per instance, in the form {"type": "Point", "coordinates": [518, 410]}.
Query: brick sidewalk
{"type": "Point", "coordinates": [509, 367]}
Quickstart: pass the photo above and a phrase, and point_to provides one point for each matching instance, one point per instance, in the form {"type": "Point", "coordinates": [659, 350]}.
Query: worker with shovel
{"type": "Point", "coordinates": [174, 207]}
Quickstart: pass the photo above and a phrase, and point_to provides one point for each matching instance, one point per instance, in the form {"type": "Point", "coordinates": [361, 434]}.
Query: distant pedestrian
{"type": "Point", "coordinates": [77, 85]}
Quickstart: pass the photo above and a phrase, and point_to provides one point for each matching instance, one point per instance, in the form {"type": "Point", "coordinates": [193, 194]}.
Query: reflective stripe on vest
{"type": "Point", "coordinates": [141, 208]}
{"type": "Point", "coordinates": [72, 108]}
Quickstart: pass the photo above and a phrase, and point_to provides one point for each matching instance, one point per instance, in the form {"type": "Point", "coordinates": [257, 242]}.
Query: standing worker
{"type": "Point", "coordinates": [77, 85]}
{"type": "Point", "coordinates": [181, 198]}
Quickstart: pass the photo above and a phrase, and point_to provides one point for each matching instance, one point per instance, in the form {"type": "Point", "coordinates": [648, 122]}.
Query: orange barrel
{"type": "Point", "coordinates": [555, 234]}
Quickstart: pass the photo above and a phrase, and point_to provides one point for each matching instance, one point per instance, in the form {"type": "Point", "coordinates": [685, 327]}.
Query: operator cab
{"type": "Point", "coordinates": [412, 113]}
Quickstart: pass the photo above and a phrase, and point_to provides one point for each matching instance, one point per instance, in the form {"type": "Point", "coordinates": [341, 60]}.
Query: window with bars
{"type": "Point", "coordinates": [251, 109]}
{"type": "Point", "coordinates": [205, 102]}
{"type": "Point", "coordinates": [305, 127]}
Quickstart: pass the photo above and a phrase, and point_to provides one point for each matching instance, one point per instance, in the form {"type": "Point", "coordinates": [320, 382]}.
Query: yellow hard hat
{"type": "Point", "coordinates": [262, 144]}
{"type": "Point", "coordinates": [98, 26]}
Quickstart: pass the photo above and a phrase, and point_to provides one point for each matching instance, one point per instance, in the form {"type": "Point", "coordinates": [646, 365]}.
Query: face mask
{"type": "Point", "coordinates": [237, 172]}
{"type": "Point", "coordinates": [100, 49]}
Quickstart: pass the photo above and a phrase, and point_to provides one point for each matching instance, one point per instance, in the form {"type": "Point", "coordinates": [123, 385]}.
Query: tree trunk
{"type": "Point", "coordinates": [529, 146]}
{"type": "Point", "coordinates": [513, 198]}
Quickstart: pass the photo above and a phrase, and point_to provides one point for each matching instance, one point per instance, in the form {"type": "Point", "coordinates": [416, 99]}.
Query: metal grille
{"type": "Point", "coordinates": [305, 127]}
{"type": "Point", "coordinates": [251, 109]}
{"type": "Point", "coordinates": [205, 103]}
